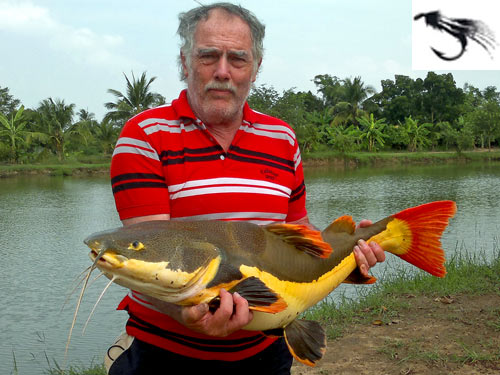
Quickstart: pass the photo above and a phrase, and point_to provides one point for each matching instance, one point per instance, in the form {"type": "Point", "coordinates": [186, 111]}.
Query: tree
{"type": "Point", "coordinates": [54, 119]}
{"type": "Point", "coordinates": [344, 97]}
{"type": "Point", "coordinates": [263, 99]}
{"type": "Point", "coordinates": [417, 134]}
{"type": "Point", "coordinates": [136, 99]}
{"type": "Point", "coordinates": [372, 131]}
{"type": "Point", "coordinates": [7, 102]}
{"type": "Point", "coordinates": [355, 92]}
{"type": "Point", "coordinates": [330, 88]}
{"type": "Point", "coordinates": [486, 120]}
{"type": "Point", "coordinates": [14, 131]}
{"type": "Point", "coordinates": [106, 134]}
{"type": "Point", "coordinates": [442, 100]}
{"type": "Point", "coordinates": [342, 139]}
{"type": "Point", "coordinates": [84, 127]}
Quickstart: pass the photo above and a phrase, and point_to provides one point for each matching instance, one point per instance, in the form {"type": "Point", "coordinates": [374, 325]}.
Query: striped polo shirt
{"type": "Point", "coordinates": [167, 162]}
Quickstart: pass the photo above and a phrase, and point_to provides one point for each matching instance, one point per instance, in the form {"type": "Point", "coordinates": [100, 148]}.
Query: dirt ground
{"type": "Point", "coordinates": [437, 336]}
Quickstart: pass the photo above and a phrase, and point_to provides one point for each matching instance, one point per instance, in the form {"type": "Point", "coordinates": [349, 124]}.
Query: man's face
{"type": "Point", "coordinates": [222, 68]}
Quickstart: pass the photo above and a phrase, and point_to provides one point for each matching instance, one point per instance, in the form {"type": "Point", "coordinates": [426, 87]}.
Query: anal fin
{"type": "Point", "coordinates": [306, 340]}
{"type": "Point", "coordinates": [356, 277]}
{"type": "Point", "coordinates": [258, 295]}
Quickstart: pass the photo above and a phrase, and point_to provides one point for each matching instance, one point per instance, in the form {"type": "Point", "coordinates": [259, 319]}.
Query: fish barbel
{"type": "Point", "coordinates": [281, 269]}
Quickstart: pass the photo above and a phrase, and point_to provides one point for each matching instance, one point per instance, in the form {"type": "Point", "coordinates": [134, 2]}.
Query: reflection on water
{"type": "Point", "coordinates": [44, 220]}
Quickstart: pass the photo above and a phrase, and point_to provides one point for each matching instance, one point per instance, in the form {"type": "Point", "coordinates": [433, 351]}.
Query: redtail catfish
{"type": "Point", "coordinates": [281, 269]}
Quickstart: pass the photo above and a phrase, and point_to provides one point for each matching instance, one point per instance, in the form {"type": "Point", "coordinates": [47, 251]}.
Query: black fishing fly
{"type": "Point", "coordinates": [460, 28]}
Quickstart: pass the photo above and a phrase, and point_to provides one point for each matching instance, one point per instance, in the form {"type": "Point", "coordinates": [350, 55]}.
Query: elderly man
{"type": "Point", "coordinates": [209, 156]}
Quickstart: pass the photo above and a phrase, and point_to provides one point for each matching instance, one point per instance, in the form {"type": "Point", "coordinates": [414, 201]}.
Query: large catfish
{"type": "Point", "coordinates": [281, 269]}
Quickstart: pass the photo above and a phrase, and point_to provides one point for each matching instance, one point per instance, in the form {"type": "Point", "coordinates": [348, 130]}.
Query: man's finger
{"type": "Point", "coordinates": [361, 261]}
{"type": "Point", "coordinates": [365, 223]}
{"type": "Point", "coordinates": [367, 251]}
{"type": "Point", "coordinates": [226, 307]}
{"type": "Point", "coordinates": [377, 251]}
{"type": "Point", "coordinates": [242, 314]}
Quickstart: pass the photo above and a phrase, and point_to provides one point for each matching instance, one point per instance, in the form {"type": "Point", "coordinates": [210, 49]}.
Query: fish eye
{"type": "Point", "coordinates": [136, 245]}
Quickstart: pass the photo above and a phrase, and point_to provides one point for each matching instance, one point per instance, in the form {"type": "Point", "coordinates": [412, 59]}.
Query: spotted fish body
{"type": "Point", "coordinates": [281, 269]}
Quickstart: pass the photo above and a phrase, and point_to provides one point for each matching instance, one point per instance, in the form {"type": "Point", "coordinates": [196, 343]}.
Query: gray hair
{"type": "Point", "coordinates": [188, 21]}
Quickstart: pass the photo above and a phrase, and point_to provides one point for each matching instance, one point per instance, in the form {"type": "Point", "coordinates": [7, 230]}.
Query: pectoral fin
{"type": "Point", "coordinates": [306, 341]}
{"type": "Point", "coordinates": [258, 295]}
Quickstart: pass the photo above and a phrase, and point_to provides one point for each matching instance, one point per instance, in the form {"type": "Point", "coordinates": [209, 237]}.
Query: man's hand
{"type": "Point", "coordinates": [367, 255]}
{"type": "Point", "coordinates": [232, 315]}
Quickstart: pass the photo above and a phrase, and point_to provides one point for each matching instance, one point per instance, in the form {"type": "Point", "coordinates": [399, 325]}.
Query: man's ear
{"type": "Point", "coordinates": [256, 71]}
{"type": "Point", "coordinates": [184, 65]}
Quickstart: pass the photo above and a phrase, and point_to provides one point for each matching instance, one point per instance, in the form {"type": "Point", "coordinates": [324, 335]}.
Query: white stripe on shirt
{"type": "Point", "coordinates": [257, 217]}
{"type": "Point", "coordinates": [260, 130]}
{"type": "Point", "coordinates": [228, 181]}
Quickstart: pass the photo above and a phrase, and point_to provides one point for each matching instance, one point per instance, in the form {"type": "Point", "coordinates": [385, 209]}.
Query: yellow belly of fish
{"type": "Point", "coordinates": [298, 296]}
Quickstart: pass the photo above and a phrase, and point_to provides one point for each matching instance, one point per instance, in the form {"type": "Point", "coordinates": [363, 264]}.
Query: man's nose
{"type": "Point", "coordinates": [222, 69]}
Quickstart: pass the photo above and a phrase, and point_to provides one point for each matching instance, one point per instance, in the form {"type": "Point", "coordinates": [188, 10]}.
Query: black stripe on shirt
{"type": "Point", "coordinates": [260, 161]}
{"type": "Point", "coordinates": [136, 176]}
{"type": "Point", "coordinates": [262, 155]}
{"type": "Point", "coordinates": [190, 159]}
{"type": "Point", "coordinates": [138, 185]}
{"type": "Point", "coordinates": [298, 192]}
{"type": "Point", "coordinates": [192, 151]}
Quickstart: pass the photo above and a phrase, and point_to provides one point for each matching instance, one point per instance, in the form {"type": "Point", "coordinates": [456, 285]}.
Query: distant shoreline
{"type": "Point", "coordinates": [315, 159]}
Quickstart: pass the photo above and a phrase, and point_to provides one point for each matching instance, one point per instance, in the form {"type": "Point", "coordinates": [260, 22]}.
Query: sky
{"type": "Point", "coordinates": [77, 50]}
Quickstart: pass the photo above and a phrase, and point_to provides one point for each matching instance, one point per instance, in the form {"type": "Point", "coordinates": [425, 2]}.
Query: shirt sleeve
{"type": "Point", "coordinates": [137, 177]}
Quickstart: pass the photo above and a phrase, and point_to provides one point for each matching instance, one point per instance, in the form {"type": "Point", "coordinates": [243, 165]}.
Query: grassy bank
{"type": "Point", "coordinates": [382, 302]}
{"type": "Point", "coordinates": [72, 166]}
{"type": "Point", "coordinates": [100, 165]}
{"type": "Point", "coordinates": [357, 159]}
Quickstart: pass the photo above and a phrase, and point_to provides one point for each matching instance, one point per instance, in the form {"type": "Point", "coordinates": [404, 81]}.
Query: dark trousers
{"type": "Point", "coordinates": [142, 358]}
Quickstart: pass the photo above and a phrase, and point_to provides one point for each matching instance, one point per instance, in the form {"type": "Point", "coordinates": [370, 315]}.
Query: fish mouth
{"type": "Point", "coordinates": [107, 258]}
{"type": "Point", "coordinates": [154, 278]}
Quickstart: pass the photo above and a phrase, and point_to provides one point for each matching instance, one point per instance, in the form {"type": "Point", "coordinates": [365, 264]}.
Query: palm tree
{"type": "Point", "coordinates": [14, 131]}
{"type": "Point", "coordinates": [137, 98]}
{"type": "Point", "coordinates": [372, 131]}
{"type": "Point", "coordinates": [83, 128]}
{"type": "Point", "coordinates": [55, 120]}
{"type": "Point", "coordinates": [106, 134]}
{"type": "Point", "coordinates": [354, 93]}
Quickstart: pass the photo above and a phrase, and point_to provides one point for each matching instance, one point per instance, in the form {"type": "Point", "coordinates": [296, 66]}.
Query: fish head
{"type": "Point", "coordinates": [163, 259]}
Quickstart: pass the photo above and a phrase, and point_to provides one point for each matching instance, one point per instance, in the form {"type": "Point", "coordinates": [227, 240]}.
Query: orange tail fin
{"type": "Point", "coordinates": [414, 235]}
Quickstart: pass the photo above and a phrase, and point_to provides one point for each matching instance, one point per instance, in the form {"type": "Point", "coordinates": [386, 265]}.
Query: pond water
{"type": "Point", "coordinates": [43, 221]}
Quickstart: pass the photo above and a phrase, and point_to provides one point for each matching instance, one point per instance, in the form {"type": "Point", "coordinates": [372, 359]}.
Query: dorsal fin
{"type": "Point", "coordinates": [344, 224]}
{"type": "Point", "coordinates": [302, 237]}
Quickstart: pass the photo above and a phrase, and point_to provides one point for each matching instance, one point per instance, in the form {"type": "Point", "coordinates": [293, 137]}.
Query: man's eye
{"type": "Point", "coordinates": [208, 59]}
{"type": "Point", "coordinates": [238, 61]}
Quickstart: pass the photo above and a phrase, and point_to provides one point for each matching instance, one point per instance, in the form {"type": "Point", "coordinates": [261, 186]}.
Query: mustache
{"type": "Point", "coordinates": [220, 86]}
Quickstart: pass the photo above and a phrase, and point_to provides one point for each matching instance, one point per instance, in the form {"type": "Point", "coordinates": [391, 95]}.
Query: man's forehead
{"type": "Point", "coordinates": [219, 19]}
{"type": "Point", "coordinates": [223, 31]}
